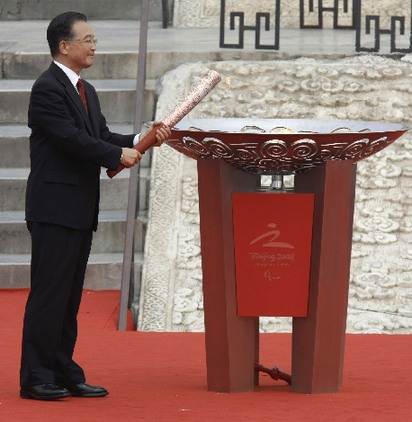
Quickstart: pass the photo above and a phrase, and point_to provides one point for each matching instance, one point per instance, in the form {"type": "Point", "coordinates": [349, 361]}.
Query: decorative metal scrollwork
{"type": "Point", "coordinates": [280, 156]}
{"type": "Point", "coordinates": [341, 8]}
{"type": "Point", "coordinates": [274, 149]}
{"type": "Point", "coordinates": [303, 149]}
{"type": "Point", "coordinates": [263, 19]}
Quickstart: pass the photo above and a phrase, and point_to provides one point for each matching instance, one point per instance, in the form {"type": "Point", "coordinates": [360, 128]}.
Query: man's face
{"type": "Point", "coordinates": [79, 51]}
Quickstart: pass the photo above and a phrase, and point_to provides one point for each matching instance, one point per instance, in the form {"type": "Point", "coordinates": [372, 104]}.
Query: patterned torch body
{"type": "Point", "coordinates": [193, 99]}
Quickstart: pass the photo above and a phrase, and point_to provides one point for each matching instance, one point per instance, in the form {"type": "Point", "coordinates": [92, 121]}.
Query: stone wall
{"type": "Point", "coordinates": [206, 13]}
{"type": "Point", "coordinates": [364, 88]}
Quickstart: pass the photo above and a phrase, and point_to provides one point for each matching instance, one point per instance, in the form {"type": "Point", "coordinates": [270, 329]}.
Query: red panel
{"type": "Point", "coordinates": [273, 235]}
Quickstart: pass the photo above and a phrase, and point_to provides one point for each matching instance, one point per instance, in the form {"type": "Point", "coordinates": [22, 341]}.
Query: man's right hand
{"type": "Point", "coordinates": [130, 157]}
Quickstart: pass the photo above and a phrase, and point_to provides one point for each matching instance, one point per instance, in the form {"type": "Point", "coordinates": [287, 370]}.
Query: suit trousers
{"type": "Point", "coordinates": [58, 265]}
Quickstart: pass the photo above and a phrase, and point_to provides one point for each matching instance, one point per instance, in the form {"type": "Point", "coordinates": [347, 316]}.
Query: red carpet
{"type": "Point", "coordinates": [161, 376]}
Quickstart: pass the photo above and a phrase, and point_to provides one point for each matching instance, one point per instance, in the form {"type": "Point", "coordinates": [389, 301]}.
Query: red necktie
{"type": "Point", "coordinates": [82, 93]}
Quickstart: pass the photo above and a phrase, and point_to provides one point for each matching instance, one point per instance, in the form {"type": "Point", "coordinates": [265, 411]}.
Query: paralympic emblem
{"type": "Point", "coordinates": [270, 238]}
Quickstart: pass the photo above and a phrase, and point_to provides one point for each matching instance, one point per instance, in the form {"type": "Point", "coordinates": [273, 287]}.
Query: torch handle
{"type": "Point", "coordinates": [146, 142]}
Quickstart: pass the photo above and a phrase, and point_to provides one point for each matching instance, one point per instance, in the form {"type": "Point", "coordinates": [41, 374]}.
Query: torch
{"type": "Point", "coordinates": [190, 102]}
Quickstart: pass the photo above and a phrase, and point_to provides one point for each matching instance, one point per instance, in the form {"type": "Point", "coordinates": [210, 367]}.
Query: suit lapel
{"type": "Point", "coordinates": [72, 94]}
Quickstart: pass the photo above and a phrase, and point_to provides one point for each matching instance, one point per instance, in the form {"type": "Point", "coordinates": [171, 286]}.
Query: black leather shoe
{"type": "Point", "coordinates": [44, 392]}
{"type": "Point", "coordinates": [86, 390]}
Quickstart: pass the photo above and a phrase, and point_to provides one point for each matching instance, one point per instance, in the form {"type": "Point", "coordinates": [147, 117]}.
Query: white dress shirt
{"type": "Point", "coordinates": [74, 78]}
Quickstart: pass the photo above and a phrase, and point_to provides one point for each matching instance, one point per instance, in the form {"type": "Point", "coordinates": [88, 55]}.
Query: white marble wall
{"type": "Point", "coordinates": [363, 87]}
{"type": "Point", "coordinates": [206, 13]}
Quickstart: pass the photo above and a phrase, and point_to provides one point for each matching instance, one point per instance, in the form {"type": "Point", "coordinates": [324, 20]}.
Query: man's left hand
{"type": "Point", "coordinates": [163, 133]}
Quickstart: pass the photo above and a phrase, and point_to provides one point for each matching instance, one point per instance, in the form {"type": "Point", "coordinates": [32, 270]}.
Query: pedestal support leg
{"type": "Point", "coordinates": [319, 339]}
{"type": "Point", "coordinates": [231, 341]}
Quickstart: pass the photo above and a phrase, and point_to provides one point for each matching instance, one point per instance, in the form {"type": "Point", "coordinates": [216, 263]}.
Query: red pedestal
{"type": "Point", "coordinates": [318, 339]}
{"type": "Point", "coordinates": [277, 254]}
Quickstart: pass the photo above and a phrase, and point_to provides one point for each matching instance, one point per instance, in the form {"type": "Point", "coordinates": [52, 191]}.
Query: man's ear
{"type": "Point", "coordinates": [63, 47]}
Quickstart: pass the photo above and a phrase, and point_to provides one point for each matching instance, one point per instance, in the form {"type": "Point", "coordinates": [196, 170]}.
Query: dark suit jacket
{"type": "Point", "coordinates": [67, 149]}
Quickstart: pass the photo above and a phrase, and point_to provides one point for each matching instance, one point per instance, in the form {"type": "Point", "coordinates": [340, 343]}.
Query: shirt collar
{"type": "Point", "coordinates": [73, 76]}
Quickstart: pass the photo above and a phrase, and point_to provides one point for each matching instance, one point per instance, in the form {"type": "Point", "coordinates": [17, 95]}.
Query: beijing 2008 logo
{"type": "Point", "coordinates": [269, 239]}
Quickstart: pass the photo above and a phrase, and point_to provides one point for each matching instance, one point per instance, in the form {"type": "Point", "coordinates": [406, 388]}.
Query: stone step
{"type": "Point", "coordinates": [94, 9]}
{"type": "Point", "coordinates": [113, 192]}
{"type": "Point", "coordinates": [115, 65]}
{"type": "Point", "coordinates": [14, 145]}
{"type": "Point", "coordinates": [104, 271]}
{"type": "Point", "coordinates": [117, 99]}
{"type": "Point", "coordinates": [123, 64]}
{"type": "Point", "coordinates": [109, 238]}
{"type": "Point", "coordinates": [24, 50]}
{"type": "Point", "coordinates": [107, 65]}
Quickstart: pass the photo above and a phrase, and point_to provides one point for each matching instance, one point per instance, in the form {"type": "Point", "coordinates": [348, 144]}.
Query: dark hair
{"type": "Point", "coordinates": [60, 28]}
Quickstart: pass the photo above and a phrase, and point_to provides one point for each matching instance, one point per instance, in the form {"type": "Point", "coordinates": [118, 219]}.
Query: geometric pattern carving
{"type": "Point", "coordinates": [398, 26]}
{"type": "Point", "coordinates": [370, 19]}
{"type": "Point", "coordinates": [341, 9]}
{"type": "Point", "coordinates": [262, 23]}
{"type": "Point", "coordinates": [206, 13]}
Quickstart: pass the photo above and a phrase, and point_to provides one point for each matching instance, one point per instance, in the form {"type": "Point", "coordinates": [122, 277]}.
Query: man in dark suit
{"type": "Point", "coordinates": [69, 143]}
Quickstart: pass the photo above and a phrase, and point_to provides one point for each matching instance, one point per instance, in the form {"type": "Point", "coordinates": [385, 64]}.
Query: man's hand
{"type": "Point", "coordinates": [130, 157]}
{"type": "Point", "coordinates": [163, 133]}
